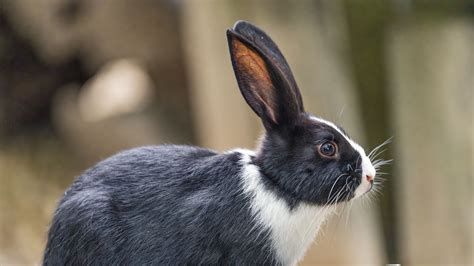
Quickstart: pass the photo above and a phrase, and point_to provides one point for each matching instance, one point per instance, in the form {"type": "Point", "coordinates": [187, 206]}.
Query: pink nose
{"type": "Point", "coordinates": [369, 178]}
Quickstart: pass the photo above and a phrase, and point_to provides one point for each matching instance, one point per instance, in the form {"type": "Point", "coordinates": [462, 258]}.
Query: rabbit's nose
{"type": "Point", "coordinates": [369, 178]}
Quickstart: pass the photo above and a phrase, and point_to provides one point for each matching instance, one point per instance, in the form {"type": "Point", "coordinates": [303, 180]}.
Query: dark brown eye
{"type": "Point", "coordinates": [328, 149]}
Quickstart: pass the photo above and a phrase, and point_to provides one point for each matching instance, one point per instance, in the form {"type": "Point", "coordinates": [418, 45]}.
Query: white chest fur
{"type": "Point", "coordinates": [292, 231]}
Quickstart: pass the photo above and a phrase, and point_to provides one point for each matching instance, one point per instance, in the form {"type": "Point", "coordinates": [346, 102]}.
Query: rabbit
{"type": "Point", "coordinates": [169, 204]}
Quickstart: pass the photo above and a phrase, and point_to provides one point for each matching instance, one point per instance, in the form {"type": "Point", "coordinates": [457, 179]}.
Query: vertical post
{"type": "Point", "coordinates": [431, 67]}
{"type": "Point", "coordinates": [221, 117]}
{"type": "Point", "coordinates": [367, 23]}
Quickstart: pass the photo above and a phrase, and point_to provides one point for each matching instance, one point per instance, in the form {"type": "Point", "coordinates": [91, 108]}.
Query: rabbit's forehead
{"type": "Point", "coordinates": [353, 144]}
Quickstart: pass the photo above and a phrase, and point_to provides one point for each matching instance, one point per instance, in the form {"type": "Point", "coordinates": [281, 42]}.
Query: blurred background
{"type": "Point", "coordinates": [83, 79]}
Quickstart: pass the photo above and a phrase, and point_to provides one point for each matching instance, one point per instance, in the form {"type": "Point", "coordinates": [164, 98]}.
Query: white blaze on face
{"type": "Point", "coordinates": [368, 170]}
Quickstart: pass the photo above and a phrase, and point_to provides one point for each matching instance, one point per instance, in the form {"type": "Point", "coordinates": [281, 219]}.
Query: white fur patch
{"type": "Point", "coordinates": [366, 164]}
{"type": "Point", "coordinates": [292, 231]}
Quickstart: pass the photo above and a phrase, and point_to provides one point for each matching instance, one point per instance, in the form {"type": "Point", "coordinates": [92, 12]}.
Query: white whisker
{"type": "Point", "coordinates": [374, 150]}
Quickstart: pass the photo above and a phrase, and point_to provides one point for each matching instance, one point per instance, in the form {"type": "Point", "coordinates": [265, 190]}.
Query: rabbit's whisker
{"type": "Point", "coordinates": [337, 179]}
{"type": "Point", "coordinates": [374, 150]}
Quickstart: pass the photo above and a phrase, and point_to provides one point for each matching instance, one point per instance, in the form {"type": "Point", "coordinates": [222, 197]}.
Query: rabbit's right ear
{"type": "Point", "coordinates": [264, 77]}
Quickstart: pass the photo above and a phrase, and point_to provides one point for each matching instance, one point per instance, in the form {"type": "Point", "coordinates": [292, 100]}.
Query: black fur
{"type": "Point", "coordinates": [299, 173]}
{"type": "Point", "coordinates": [157, 206]}
{"type": "Point", "coordinates": [185, 205]}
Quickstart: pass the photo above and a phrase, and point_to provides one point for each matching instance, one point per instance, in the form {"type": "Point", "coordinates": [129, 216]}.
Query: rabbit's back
{"type": "Point", "coordinates": [161, 204]}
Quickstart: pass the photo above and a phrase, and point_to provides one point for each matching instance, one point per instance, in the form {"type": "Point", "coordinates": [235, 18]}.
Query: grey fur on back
{"type": "Point", "coordinates": [158, 205]}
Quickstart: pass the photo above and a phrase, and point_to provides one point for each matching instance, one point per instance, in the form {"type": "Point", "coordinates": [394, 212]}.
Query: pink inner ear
{"type": "Point", "coordinates": [254, 72]}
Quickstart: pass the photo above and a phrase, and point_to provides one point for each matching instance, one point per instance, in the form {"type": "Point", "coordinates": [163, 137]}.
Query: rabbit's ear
{"type": "Point", "coordinates": [264, 77]}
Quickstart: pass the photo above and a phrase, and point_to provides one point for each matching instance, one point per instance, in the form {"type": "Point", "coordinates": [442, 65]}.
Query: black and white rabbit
{"type": "Point", "coordinates": [179, 205]}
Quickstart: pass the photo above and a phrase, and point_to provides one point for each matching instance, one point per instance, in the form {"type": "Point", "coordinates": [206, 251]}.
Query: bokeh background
{"type": "Point", "coordinates": [83, 79]}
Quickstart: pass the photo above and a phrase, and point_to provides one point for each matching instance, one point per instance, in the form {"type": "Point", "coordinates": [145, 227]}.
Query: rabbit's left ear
{"type": "Point", "coordinates": [264, 77]}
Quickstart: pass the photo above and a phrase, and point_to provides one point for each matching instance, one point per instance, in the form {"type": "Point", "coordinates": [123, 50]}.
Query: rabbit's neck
{"type": "Point", "coordinates": [292, 229]}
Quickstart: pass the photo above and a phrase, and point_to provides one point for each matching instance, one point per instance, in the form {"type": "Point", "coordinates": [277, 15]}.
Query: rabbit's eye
{"type": "Point", "coordinates": [328, 149]}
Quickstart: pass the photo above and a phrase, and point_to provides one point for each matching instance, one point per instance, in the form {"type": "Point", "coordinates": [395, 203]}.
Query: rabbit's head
{"type": "Point", "coordinates": [309, 159]}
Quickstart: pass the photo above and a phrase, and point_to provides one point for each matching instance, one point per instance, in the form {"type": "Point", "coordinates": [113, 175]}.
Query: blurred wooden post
{"type": "Point", "coordinates": [367, 23]}
{"type": "Point", "coordinates": [311, 36]}
{"type": "Point", "coordinates": [221, 116]}
{"type": "Point", "coordinates": [432, 79]}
